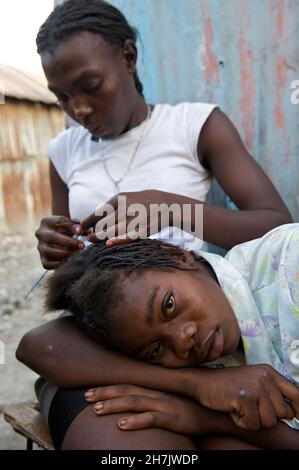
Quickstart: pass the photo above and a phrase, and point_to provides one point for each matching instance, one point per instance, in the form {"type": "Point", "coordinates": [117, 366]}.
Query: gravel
{"type": "Point", "coordinates": [19, 268]}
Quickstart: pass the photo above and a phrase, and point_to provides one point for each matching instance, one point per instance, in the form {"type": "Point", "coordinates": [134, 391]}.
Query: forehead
{"type": "Point", "coordinates": [81, 51]}
{"type": "Point", "coordinates": [142, 290]}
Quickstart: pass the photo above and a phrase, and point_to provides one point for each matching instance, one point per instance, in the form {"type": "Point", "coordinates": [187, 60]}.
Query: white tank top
{"type": "Point", "coordinates": [166, 159]}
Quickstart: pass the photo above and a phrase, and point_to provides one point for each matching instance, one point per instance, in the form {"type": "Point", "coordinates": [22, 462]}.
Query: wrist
{"type": "Point", "coordinates": [189, 382]}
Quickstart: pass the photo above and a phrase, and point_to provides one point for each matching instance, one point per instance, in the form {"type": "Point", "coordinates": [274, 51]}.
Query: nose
{"type": "Point", "coordinates": [185, 339]}
{"type": "Point", "coordinates": [81, 109]}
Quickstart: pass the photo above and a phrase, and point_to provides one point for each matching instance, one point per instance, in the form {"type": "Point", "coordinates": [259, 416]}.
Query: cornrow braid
{"type": "Point", "coordinates": [95, 16]}
{"type": "Point", "coordinates": [88, 282]}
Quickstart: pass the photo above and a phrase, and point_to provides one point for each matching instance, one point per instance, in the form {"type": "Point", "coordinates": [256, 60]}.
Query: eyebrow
{"type": "Point", "coordinates": [86, 74]}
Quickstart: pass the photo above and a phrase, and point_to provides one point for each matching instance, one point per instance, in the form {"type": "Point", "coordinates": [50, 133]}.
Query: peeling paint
{"type": "Point", "coordinates": [211, 68]}
{"type": "Point", "coordinates": [247, 92]}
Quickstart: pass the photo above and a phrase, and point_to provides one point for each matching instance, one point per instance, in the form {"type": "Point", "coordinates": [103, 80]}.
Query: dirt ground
{"type": "Point", "coordinates": [19, 268]}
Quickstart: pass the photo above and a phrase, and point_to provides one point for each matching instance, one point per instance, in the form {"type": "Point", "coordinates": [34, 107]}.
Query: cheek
{"type": "Point", "coordinates": [173, 362]}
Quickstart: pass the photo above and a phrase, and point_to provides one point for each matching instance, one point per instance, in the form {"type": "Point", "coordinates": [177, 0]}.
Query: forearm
{"type": "Point", "coordinates": [237, 226]}
{"type": "Point", "coordinates": [280, 437]}
{"type": "Point", "coordinates": [62, 353]}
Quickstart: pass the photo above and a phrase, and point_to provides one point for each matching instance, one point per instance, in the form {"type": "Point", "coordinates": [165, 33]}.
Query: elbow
{"type": "Point", "coordinates": [37, 351]}
{"type": "Point", "coordinates": [24, 352]}
{"type": "Point", "coordinates": [32, 352]}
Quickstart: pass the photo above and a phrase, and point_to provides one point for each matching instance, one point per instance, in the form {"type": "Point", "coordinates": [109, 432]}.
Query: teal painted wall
{"type": "Point", "coordinates": [241, 54]}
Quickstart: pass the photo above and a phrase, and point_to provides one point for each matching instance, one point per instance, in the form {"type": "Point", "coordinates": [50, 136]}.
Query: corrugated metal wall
{"type": "Point", "coordinates": [241, 54]}
{"type": "Point", "coordinates": [25, 130]}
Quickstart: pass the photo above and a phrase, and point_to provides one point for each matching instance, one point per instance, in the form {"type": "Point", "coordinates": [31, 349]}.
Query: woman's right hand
{"type": "Point", "coordinates": [55, 240]}
{"type": "Point", "coordinates": [255, 396]}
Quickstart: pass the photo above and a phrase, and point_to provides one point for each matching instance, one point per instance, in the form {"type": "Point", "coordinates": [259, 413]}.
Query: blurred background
{"type": "Point", "coordinates": [241, 54]}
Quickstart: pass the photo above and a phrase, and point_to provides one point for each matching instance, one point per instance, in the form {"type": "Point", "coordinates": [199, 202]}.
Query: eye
{"type": "Point", "coordinates": [155, 352]}
{"type": "Point", "coordinates": [61, 100]}
{"type": "Point", "coordinates": [168, 305]}
{"type": "Point", "coordinates": [92, 87]}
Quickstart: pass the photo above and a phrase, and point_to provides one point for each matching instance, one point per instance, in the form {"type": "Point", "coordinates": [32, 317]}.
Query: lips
{"type": "Point", "coordinates": [92, 128]}
{"type": "Point", "coordinates": [211, 347]}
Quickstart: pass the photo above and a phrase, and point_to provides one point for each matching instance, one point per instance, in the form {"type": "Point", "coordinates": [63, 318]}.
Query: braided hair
{"type": "Point", "coordinates": [88, 283]}
{"type": "Point", "coordinates": [95, 16]}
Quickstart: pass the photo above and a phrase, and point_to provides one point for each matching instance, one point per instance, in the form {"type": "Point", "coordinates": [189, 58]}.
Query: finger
{"type": "Point", "coordinates": [50, 264]}
{"type": "Point", "coordinates": [126, 404]}
{"type": "Point", "coordinates": [92, 238]}
{"type": "Point", "coordinates": [129, 237]}
{"type": "Point", "coordinates": [282, 409]}
{"type": "Point", "coordinates": [113, 225]}
{"type": "Point", "coordinates": [55, 254]}
{"type": "Point", "coordinates": [117, 240]}
{"type": "Point", "coordinates": [65, 225]}
{"type": "Point", "coordinates": [150, 419]}
{"type": "Point", "coordinates": [101, 212]}
{"type": "Point", "coordinates": [288, 390]}
{"type": "Point", "coordinates": [237, 420]}
{"type": "Point", "coordinates": [268, 418]}
{"type": "Point", "coordinates": [114, 391]}
{"type": "Point", "coordinates": [62, 241]}
{"type": "Point", "coordinates": [247, 416]}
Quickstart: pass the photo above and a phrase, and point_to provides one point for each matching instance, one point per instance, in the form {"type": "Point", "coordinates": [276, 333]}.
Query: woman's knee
{"type": "Point", "coordinates": [91, 432]}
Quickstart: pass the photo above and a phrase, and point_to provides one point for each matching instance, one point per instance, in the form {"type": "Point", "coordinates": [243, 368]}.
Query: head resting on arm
{"type": "Point", "coordinates": [150, 299]}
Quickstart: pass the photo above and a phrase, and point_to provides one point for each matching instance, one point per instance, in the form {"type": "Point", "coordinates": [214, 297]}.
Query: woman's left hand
{"type": "Point", "coordinates": [154, 409]}
{"type": "Point", "coordinates": [130, 215]}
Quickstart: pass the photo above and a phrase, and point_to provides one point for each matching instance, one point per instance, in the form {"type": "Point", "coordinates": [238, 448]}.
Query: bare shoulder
{"type": "Point", "coordinates": [218, 134]}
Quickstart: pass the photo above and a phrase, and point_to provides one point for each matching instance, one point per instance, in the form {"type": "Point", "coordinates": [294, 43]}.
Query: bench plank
{"type": "Point", "coordinates": [27, 420]}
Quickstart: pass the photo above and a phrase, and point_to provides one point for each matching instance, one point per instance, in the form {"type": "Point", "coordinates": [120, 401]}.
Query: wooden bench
{"type": "Point", "coordinates": [26, 419]}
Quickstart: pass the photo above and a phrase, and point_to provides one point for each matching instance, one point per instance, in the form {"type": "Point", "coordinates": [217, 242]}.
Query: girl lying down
{"type": "Point", "coordinates": [174, 308]}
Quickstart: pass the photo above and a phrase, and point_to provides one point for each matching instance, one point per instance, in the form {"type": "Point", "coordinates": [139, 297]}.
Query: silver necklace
{"type": "Point", "coordinates": [116, 182]}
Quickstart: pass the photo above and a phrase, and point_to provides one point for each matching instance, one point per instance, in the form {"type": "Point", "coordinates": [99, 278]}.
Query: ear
{"type": "Point", "coordinates": [130, 55]}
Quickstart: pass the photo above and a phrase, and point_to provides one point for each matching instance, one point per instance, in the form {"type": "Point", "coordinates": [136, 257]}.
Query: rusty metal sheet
{"type": "Point", "coordinates": [23, 85]}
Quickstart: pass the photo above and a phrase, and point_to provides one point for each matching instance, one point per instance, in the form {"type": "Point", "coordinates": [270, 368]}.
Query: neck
{"type": "Point", "coordinates": [138, 114]}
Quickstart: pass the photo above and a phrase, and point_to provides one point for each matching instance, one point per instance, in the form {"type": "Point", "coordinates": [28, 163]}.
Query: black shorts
{"type": "Point", "coordinates": [65, 406]}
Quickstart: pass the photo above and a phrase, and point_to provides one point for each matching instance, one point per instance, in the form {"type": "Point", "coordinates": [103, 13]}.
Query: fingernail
{"type": "Point", "coordinates": [99, 406]}
{"type": "Point", "coordinates": [78, 229]}
{"type": "Point", "coordinates": [109, 243]}
{"type": "Point", "coordinates": [89, 394]}
{"type": "Point", "coordinates": [123, 422]}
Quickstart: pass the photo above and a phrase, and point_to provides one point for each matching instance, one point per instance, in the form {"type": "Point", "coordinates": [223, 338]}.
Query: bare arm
{"type": "Point", "coordinates": [60, 193]}
{"type": "Point", "coordinates": [281, 437]}
{"type": "Point", "coordinates": [222, 151]}
{"type": "Point", "coordinates": [62, 353]}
